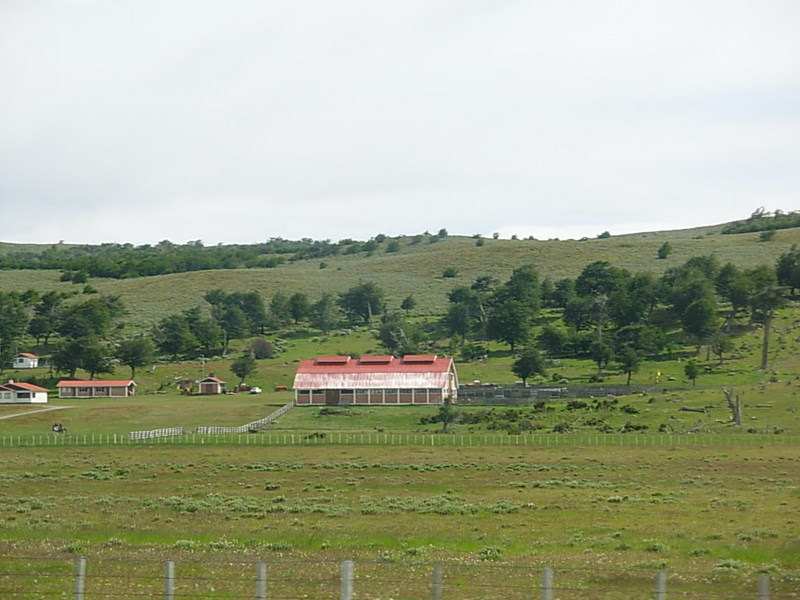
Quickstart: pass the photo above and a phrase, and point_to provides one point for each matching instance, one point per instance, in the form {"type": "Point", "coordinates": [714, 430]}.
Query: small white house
{"type": "Point", "coordinates": [26, 360]}
{"type": "Point", "coordinates": [22, 393]}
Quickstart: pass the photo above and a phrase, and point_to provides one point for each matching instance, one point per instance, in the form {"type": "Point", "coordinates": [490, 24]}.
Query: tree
{"type": "Point", "coordinates": [629, 361]}
{"type": "Point", "coordinates": [279, 308]}
{"type": "Point", "coordinates": [325, 313]}
{"type": "Point", "coordinates": [721, 344]}
{"type": "Point", "coordinates": [13, 324]}
{"type": "Point", "coordinates": [174, 337]}
{"type": "Point", "coordinates": [528, 364]}
{"type": "Point", "coordinates": [408, 304]}
{"type": "Point", "coordinates": [68, 356]}
{"type": "Point", "coordinates": [243, 367]}
{"type": "Point", "coordinates": [766, 300]}
{"type": "Point", "coordinates": [665, 250]}
{"type": "Point", "coordinates": [447, 413]}
{"type": "Point", "coordinates": [692, 371]}
{"type": "Point", "coordinates": [510, 322]}
{"type": "Point", "coordinates": [135, 352]}
{"type": "Point", "coordinates": [95, 359]}
{"type": "Point", "coordinates": [362, 301]}
{"type": "Point", "coordinates": [299, 306]}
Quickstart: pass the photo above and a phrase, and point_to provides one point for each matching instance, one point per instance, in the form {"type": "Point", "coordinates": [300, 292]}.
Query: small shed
{"type": "Point", "coordinates": [210, 385]}
{"type": "Point", "coordinates": [22, 393]}
{"type": "Point", "coordinates": [96, 388]}
{"type": "Point", "coordinates": [342, 380]}
{"type": "Point", "coordinates": [26, 360]}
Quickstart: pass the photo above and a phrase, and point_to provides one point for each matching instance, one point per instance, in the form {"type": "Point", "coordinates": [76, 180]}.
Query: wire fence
{"type": "Point", "coordinates": [30, 578]}
{"type": "Point", "coordinates": [403, 439]}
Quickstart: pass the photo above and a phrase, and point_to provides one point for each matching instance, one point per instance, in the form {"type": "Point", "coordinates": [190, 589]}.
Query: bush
{"type": "Point", "coordinates": [262, 348]}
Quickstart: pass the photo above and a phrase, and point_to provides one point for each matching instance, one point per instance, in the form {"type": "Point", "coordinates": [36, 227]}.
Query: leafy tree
{"type": "Point", "coordinates": [699, 320]}
{"type": "Point", "coordinates": [766, 301]}
{"type": "Point", "coordinates": [243, 367]}
{"type": "Point", "coordinates": [629, 361]}
{"type": "Point", "coordinates": [692, 371]}
{"type": "Point", "coordinates": [553, 340]}
{"type": "Point", "coordinates": [299, 306]}
{"type": "Point", "coordinates": [788, 269]}
{"type": "Point", "coordinates": [95, 359]}
{"type": "Point", "coordinates": [135, 352]}
{"type": "Point", "coordinates": [599, 277]}
{"type": "Point", "coordinates": [408, 304]}
{"type": "Point", "coordinates": [510, 322]}
{"type": "Point", "coordinates": [279, 308]}
{"type": "Point", "coordinates": [68, 356]}
{"type": "Point", "coordinates": [13, 325]}
{"type": "Point", "coordinates": [528, 364]}
{"type": "Point", "coordinates": [174, 337]}
{"type": "Point", "coordinates": [90, 319]}
{"type": "Point", "coordinates": [325, 313]}
{"type": "Point", "coordinates": [447, 413]}
{"type": "Point", "coordinates": [664, 250]}
{"type": "Point", "coordinates": [602, 354]}
{"type": "Point", "coordinates": [362, 301]}
{"type": "Point", "coordinates": [457, 320]}
{"type": "Point", "coordinates": [721, 345]}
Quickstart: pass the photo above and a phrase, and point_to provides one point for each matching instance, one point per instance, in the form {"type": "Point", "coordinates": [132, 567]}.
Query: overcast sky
{"type": "Point", "coordinates": [241, 120]}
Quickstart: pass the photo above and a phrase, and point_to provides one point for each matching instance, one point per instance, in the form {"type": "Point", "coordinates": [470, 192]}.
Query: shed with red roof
{"type": "Point", "coordinates": [342, 380]}
{"type": "Point", "coordinates": [210, 385]}
{"type": "Point", "coordinates": [95, 388]}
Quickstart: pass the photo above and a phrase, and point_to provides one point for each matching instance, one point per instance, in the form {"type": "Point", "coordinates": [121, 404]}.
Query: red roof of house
{"type": "Point", "coordinates": [21, 385]}
{"type": "Point", "coordinates": [27, 355]}
{"type": "Point", "coordinates": [94, 383]}
{"type": "Point", "coordinates": [210, 378]}
{"type": "Point", "coordinates": [343, 372]}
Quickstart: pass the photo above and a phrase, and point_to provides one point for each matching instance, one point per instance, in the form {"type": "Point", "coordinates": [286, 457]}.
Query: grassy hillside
{"type": "Point", "coordinates": [417, 268]}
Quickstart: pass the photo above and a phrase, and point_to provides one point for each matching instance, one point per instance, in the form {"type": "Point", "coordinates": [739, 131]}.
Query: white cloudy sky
{"type": "Point", "coordinates": [240, 120]}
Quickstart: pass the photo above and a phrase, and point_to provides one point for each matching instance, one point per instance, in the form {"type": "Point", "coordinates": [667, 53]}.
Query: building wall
{"type": "Point", "coordinates": [391, 396]}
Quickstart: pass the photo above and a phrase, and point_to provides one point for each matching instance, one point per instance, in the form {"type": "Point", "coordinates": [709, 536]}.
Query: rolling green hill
{"type": "Point", "coordinates": [417, 268]}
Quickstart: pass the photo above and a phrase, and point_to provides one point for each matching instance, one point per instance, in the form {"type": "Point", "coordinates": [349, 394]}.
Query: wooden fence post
{"type": "Point", "coordinates": [763, 587]}
{"type": "Point", "coordinates": [437, 582]}
{"type": "Point", "coordinates": [261, 581]}
{"type": "Point", "coordinates": [169, 581]}
{"type": "Point", "coordinates": [347, 580]}
{"type": "Point", "coordinates": [547, 583]}
{"type": "Point", "coordinates": [661, 585]}
{"type": "Point", "coordinates": [80, 578]}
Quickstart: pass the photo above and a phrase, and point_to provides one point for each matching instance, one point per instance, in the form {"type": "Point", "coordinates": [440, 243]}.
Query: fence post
{"type": "Point", "coordinates": [437, 582]}
{"type": "Point", "coordinates": [169, 581]}
{"type": "Point", "coordinates": [763, 587]}
{"type": "Point", "coordinates": [547, 583]}
{"type": "Point", "coordinates": [661, 585]}
{"type": "Point", "coordinates": [261, 581]}
{"type": "Point", "coordinates": [347, 580]}
{"type": "Point", "coordinates": [80, 578]}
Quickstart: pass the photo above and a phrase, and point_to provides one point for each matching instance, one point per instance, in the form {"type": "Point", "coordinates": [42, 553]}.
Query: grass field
{"type": "Point", "coordinates": [725, 513]}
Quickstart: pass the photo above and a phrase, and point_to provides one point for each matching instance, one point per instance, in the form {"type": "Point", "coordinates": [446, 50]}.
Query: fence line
{"type": "Point", "coordinates": [23, 578]}
{"type": "Point", "coordinates": [251, 427]}
{"type": "Point", "coordinates": [337, 438]}
{"type": "Point", "coordinates": [156, 433]}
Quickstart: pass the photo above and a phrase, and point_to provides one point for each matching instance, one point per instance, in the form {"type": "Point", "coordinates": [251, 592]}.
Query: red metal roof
{"type": "Point", "coordinates": [375, 372]}
{"type": "Point", "coordinates": [27, 355]}
{"type": "Point", "coordinates": [94, 383]}
{"type": "Point", "coordinates": [20, 385]}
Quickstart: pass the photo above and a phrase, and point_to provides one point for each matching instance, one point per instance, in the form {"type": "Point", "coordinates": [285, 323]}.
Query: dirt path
{"type": "Point", "coordinates": [31, 412]}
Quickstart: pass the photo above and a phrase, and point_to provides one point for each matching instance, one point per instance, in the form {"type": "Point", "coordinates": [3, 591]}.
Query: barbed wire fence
{"type": "Point", "coordinates": [29, 578]}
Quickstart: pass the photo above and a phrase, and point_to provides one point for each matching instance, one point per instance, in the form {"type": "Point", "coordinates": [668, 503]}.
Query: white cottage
{"type": "Point", "coordinates": [22, 393]}
{"type": "Point", "coordinates": [26, 360]}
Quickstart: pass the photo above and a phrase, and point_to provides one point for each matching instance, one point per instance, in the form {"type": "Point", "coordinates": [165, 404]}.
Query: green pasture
{"type": "Point", "coordinates": [720, 514]}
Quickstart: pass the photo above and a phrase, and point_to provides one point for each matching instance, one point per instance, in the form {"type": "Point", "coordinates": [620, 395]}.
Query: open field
{"type": "Point", "coordinates": [714, 514]}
